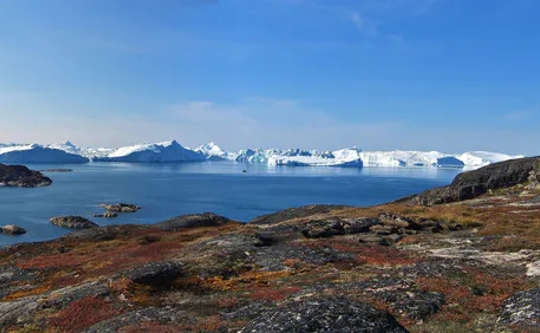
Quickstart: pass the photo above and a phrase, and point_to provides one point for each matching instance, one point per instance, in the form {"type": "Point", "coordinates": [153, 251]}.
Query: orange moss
{"type": "Point", "coordinates": [273, 295]}
{"type": "Point", "coordinates": [29, 292]}
{"type": "Point", "coordinates": [248, 278]}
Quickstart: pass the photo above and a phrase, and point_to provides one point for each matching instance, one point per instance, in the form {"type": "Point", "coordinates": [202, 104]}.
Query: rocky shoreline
{"type": "Point", "coordinates": [463, 258]}
{"type": "Point", "coordinates": [21, 176]}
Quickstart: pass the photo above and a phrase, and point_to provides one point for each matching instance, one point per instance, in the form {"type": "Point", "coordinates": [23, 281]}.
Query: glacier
{"type": "Point", "coordinates": [172, 151]}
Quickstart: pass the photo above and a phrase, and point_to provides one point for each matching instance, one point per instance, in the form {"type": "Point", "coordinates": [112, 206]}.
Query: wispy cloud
{"type": "Point", "coordinates": [371, 17]}
{"type": "Point", "coordinates": [517, 115]}
{"type": "Point", "coordinates": [363, 24]}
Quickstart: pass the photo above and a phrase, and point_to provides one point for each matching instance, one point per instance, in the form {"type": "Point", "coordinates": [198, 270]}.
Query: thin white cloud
{"type": "Point", "coordinates": [517, 115]}
{"type": "Point", "coordinates": [363, 24]}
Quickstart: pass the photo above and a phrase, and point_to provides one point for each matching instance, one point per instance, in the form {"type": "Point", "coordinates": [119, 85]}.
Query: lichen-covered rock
{"type": "Point", "coordinates": [21, 176]}
{"type": "Point", "coordinates": [11, 229]}
{"type": "Point", "coordinates": [140, 316]}
{"type": "Point", "coordinates": [416, 304]}
{"type": "Point", "coordinates": [522, 309]}
{"type": "Point", "coordinates": [17, 310]}
{"type": "Point", "coordinates": [329, 314]}
{"type": "Point", "coordinates": [73, 222]}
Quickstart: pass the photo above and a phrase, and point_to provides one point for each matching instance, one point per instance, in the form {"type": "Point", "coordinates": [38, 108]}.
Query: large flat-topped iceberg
{"type": "Point", "coordinates": [359, 158]}
{"type": "Point", "coordinates": [169, 151]}
{"type": "Point", "coordinates": [343, 157]}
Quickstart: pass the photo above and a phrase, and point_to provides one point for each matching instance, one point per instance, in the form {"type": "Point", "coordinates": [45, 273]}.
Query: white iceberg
{"type": "Point", "coordinates": [169, 151]}
{"type": "Point", "coordinates": [35, 153]}
{"type": "Point", "coordinates": [213, 152]}
{"type": "Point", "coordinates": [371, 159]}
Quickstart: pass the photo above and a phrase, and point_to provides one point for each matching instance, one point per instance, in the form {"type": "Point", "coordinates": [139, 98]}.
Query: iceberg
{"type": "Point", "coordinates": [213, 152]}
{"type": "Point", "coordinates": [478, 159]}
{"type": "Point", "coordinates": [35, 153]}
{"type": "Point", "coordinates": [172, 151]}
{"type": "Point", "coordinates": [355, 157]}
{"type": "Point", "coordinates": [349, 157]}
{"type": "Point", "coordinates": [169, 151]}
{"type": "Point", "coordinates": [87, 152]}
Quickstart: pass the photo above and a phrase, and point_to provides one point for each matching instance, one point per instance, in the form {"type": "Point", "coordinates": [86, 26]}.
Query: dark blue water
{"type": "Point", "coordinates": [167, 190]}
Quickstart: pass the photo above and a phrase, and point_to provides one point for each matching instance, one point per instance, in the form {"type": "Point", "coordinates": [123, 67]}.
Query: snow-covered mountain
{"type": "Point", "coordinates": [169, 151]}
{"type": "Point", "coordinates": [35, 153]}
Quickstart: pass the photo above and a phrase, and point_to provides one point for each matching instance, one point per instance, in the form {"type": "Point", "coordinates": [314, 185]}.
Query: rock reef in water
{"type": "Point", "coordinates": [121, 208]}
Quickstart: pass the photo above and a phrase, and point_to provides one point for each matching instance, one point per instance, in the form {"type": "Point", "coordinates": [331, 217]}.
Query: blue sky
{"type": "Point", "coordinates": [449, 75]}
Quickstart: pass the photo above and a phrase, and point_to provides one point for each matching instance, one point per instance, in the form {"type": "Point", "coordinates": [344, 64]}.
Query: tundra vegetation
{"type": "Point", "coordinates": [465, 258]}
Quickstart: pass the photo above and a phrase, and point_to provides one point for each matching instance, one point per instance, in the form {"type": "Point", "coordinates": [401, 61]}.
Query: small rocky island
{"type": "Point", "coordinates": [73, 222]}
{"type": "Point", "coordinates": [21, 176]}
{"type": "Point", "coordinates": [461, 258]}
{"type": "Point", "coordinates": [112, 210]}
{"type": "Point", "coordinates": [121, 207]}
{"type": "Point", "coordinates": [12, 230]}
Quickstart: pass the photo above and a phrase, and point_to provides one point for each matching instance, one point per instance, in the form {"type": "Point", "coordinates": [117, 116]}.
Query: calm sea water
{"type": "Point", "coordinates": [167, 190]}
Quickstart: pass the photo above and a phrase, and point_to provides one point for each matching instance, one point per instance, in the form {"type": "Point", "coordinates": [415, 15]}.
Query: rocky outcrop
{"type": "Point", "coordinates": [331, 314]}
{"type": "Point", "coordinates": [192, 221]}
{"type": "Point", "coordinates": [469, 185]}
{"type": "Point", "coordinates": [73, 222]}
{"type": "Point", "coordinates": [105, 233]}
{"type": "Point", "coordinates": [11, 229]}
{"type": "Point", "coordinates": [338, 226]}
{"type": "Point", "coordinates": [291, 213]}
{"type": "Point", "coordinates": [156, 273]}
{"type": "Point", "coordinates": [21, 176]}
